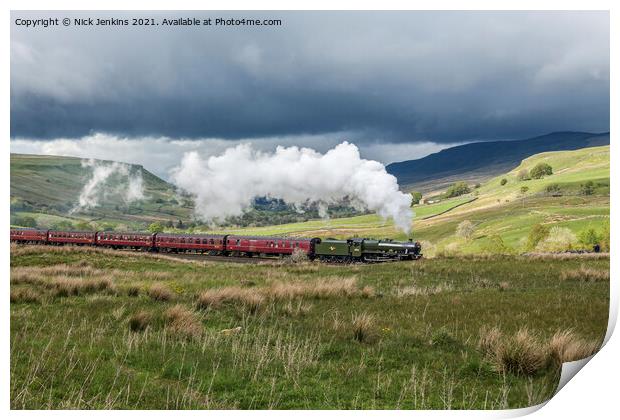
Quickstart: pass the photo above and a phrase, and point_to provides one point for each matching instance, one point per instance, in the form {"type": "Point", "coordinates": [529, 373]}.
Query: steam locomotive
{"type": "Point", "coordinates": [331, 250]}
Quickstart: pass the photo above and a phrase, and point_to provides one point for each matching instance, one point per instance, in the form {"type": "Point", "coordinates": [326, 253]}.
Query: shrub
{"type": "Point", "coordinates": [541, 170]}
{"type": "Point", "coordinates": [559, 239]}
{"type": "Point", "coordinates": [503, 182]}
{"type": "Point", "coordinates": [553, 189]}
{"type": "Point", "coordinates": [589, 237]}
{"type": "Point", "coordinates": [416, 196]}
{"type": "Point", "coordinates": [465, 229]}
{"type": "Point", "coordinates": [587, 188]}
{"type": "Point", "coordinates": [537, 233]}
{"type": "Point", "coordinates": [457, 189]}
{"type": "Point", "coordinates": [160, 292]}
{"type": "Point", "coordinates": [523, 175]}
{"type": "Point", "coordinates": [139, 321]}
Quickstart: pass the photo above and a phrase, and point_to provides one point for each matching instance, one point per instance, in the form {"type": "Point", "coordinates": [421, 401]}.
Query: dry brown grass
{"type": "Point", "coordinates": [363, 327]}
{"type": "Point", "coordinates": [25, 295]}
{"type": "Point", "coordinates": [585, 274]}
{"type": "Point", "coordinates": [252, 299]}
{"type": "Point", "coordinates": [368, 292]}
{"type": "Point", "coordinates": [160, 292]}
{"type": "Point", "coordinates": [424, 291]}
{"type": "Point", "coordinates": [140, 321]}
{"type": "Point", "coordinates": [503, 286]}
{"type": "Point", "coordinates": [526, 353]}
{"type": "Point", "coordinates": [565, 346]}
{"type": "Point", "coordinates": [184, 322]}
{"type": "Point", "coordinates": [521, 353]}
{"type": "Point", "coordinates": [295, 309]}
{"type": "Point", "coordinates": [71, 286]}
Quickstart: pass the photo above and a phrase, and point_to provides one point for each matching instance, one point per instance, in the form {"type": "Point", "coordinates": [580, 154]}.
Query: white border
{"type": "Point", "coordinates": [593, 393]}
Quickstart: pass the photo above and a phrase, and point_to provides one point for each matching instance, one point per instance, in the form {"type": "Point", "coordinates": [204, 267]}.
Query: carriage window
{"type": "Point", "coordinates": [237, 241]}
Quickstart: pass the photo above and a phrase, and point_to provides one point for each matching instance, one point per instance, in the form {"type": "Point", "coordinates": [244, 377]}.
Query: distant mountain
{"type": "Point", "coordinates": [482, 160]}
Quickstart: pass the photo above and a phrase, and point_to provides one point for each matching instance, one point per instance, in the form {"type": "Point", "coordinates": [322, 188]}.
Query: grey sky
{"type": "Point", "coordinates": [370, 78]}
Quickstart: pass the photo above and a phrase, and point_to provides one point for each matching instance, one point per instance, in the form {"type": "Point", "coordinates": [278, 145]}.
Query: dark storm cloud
{"type": "Point", "coordinates": [407, 76]}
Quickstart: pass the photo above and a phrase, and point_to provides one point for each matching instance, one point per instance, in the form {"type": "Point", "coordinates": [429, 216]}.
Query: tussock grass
{"type": "Point", "coordinates": [25, 295]}
{"type": "Point", "coordinates": [160, 292]}
{"type": "Point", "coordinates": [296, 309]}
{"type": "Point", "coordinates": [133, 290]}
{"type": "Point", "coordinates": [254, 297]}
{"type": "Point", "coordinates": [183, 322]}
{"type": "Point", "coordinates": [363, 327]}
{"type": "Point", "coordinates": [140, 321]}
{"type": "Point", "coordinates": [565, 346]}
{"type": "Point", "coordinates": [584, 273]}
{"type": "Point", "coordinates": [424, 291]}
{"type": "Point", "coordinates": [251, 298]}
{"type": "Point", "coordinates": [521, 353]}
{"type": "Point", "coordinates": [525, 353]}
{"type": "Point", "coordinates": [71, 286]}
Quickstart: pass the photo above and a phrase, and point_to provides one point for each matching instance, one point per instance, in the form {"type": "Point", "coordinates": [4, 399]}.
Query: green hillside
{"type": "Point", "coordinates": [47, 188]}
{"type": "Point", "coordinates": [502, 215]}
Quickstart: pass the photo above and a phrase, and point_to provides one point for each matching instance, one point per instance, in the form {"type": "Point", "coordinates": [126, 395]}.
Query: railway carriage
{"type": "Point", "coordinates": [29, 236]}
{"type": "Point", "coordinates": [71, 237]}
{"type": "Point", "coordinates": [264, 245]}
{"type": "Point", "coordinates": [169, 242]}
{"type": "Point", "coordinates": [131, 240]}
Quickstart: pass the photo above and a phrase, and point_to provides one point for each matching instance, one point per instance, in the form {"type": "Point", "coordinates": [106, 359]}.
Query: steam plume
{"type": "Point", "coordinates": [107, 180]}
{"type": "Point", "coordinates": [225, 185]}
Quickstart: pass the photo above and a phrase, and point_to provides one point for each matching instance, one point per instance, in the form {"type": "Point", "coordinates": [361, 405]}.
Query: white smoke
{"type": "Point", "coordinates": [226, 185]}
{"type": "Point", "coordinates": [107, 180]}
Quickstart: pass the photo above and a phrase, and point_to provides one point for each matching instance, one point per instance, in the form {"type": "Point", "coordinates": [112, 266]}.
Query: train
{"type": "Point", "coordinates": [328, 250]}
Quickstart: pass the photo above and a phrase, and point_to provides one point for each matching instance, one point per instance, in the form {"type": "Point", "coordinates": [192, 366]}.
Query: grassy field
{"type": "Point", "coordinates": [103, 329]}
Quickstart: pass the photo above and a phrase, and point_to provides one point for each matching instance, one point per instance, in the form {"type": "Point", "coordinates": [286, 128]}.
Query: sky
{"type": "Point", "coordinates": [399, 85]}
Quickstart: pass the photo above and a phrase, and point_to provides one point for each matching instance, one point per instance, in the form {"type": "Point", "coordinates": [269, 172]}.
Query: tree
{"type": "Point", "coordinates": [416, 196]}
{"type": "Point", "coordinates": [589, 237]}
{"type": "Point", "coordinates": [503, 182]}
{"type": "Point", "coordinates": [587, 188]}
{"type": "Point", "coordinates": [524, 189]}
{"type": "Point", "coordinates": [83, 225]}
{"type": "Point", "coordinates": [541, 170]}
{"type": "Point", "coordinates": [155, 227]}
{"type": "Point", "coordinates": [24, 221]}
{"type": "Point", "coordinates": [465, 229]}
{"type": "Point", "coordinates": [538, 233]}
{"type": "Point", "coordinates": [456, 189]}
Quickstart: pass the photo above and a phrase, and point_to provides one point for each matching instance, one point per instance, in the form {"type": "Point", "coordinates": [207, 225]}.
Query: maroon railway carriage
{"type": "Point", "coordinates": [253, 245]}
{"type": "Point", "coordinates": [133, 240]}
{"type": "Point", "coordinates": [61, 237]}
{"type": "Point", "coordinates": [213, 244]}
{"type": "Point", "coordinates": [29, 236]}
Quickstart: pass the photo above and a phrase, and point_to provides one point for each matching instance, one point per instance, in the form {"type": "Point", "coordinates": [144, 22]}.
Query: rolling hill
{"type": "Point", "coordinates": [47, 188]}
{"type": "Point", "coordinates": [475, 162]}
